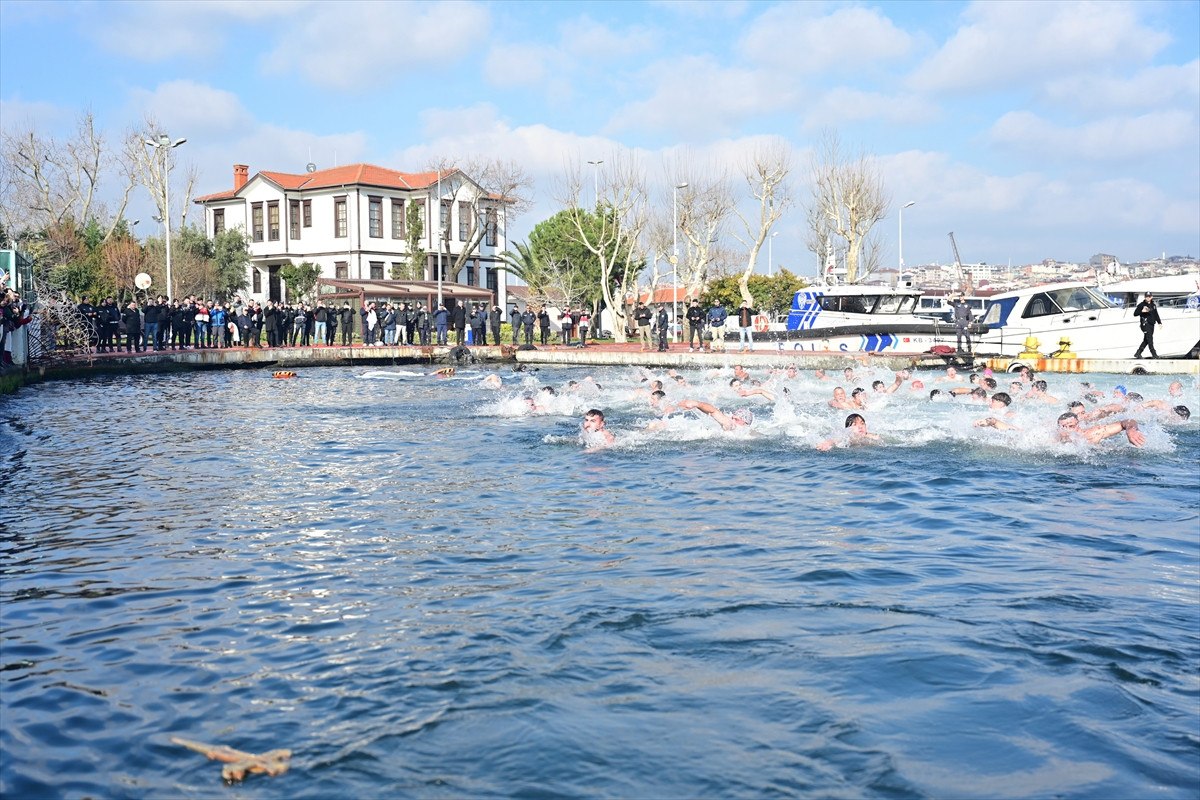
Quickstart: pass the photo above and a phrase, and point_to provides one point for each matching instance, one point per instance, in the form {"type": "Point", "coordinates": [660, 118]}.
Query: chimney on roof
{"type": "Point", "coordinates": [241, 174]}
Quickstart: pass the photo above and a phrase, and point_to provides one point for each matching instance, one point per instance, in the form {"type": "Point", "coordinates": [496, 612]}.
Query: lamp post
{"type": "Point", "coordinates": [164, 145]}
{"type": "Point", "coordinates": [906, 205]}
{"type": "Point", "coordinates": [675, 259]}
{"type": "Point", "coordinates": [596, 180]}
{"type": "Point", "coordinates": [771, 252]}
{"type": "Point", "coordinates": [439, 239]}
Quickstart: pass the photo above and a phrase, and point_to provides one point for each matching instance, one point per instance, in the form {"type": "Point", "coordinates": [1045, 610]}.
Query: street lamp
{"type": "Point", "coordinates": [439, 241]}
{"type": "Point", "coordinates": [164, 145]}
{"type": "Point", "coordinates": [596, 180]}
{"type": "Point", "coordinates": [906, 205]}
{"type": "Point", "coordinates": [675, 259]}
{"type": "Point", "coordinates": [771, 252]}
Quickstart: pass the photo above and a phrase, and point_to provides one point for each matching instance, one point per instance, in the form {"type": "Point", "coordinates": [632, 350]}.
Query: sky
{"type": "Point", "coordinates": [1033, 130]}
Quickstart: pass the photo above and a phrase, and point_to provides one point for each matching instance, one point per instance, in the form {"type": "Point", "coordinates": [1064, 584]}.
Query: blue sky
{"type": "Point", "coordinates": [1032, 129]}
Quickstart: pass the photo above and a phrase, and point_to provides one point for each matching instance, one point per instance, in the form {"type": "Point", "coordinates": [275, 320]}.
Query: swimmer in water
{"type": "Point", "coordinates": [841, 401]}
{"type": "Point", "coordinates": [856, 433]}
{"type": "Point", "coordinates": [492, 381]}
{"type": "Point", "coordinates": [594, 435]}
{"type": "Point", "coordinates": [740, 418]}
{"type": "Point", "coordinates": [1069, 429]}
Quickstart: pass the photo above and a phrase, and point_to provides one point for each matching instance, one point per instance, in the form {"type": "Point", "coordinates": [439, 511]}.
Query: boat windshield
{"type": "Point", "coordinates": [889, 304]}
{"type": "Point", "coordinates": [1064, 301]}
{"type": "Point", "coordinates": [850, 304]}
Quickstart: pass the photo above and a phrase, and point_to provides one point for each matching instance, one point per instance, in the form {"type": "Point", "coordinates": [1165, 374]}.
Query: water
{"type": "Point", "coordinates": [424, 589]}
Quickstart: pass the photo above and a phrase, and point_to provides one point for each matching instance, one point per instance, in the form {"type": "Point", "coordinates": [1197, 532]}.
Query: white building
{"type": "Point", "coordinates": [352, 221]}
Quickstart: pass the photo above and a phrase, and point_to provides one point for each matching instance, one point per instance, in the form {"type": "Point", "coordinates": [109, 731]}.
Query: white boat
{"type": "Point", "coordinates": [1168, 290]}
{"type": "Point", "coordinates": [856, 318]}
{"type": "Point", "coordinates": [1095, 326]}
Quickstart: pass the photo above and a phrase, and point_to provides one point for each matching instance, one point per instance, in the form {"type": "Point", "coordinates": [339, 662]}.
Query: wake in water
{"type": "Point", "coordinates": [799, 410]}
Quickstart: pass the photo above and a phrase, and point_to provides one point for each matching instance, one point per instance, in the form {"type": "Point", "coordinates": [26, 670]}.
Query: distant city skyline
{"type": "Point", "coordinates": [1032, 130]}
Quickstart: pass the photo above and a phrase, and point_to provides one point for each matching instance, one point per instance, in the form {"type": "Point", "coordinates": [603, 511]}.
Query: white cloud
{"type": "Point", "coordinates": [17, 115]}
{"type": "Point", "coordinates": [845, 105]}
{"type": "Point", "coordinates": [192, 109]}
{"type": "Point", "coordinates": [154, 31]}
{"type": "Point", "coordinates": [1006, 42]}
{"type": "Point", "coordinates": [791, 36]}
{"type": "Point", "coordinates": [359, 45]}
{"type": "Point", "coordinates": [586, 38]}
{"type": "Point", "coordinates": [509, 65]}
{"type": "Point", "coordinates": [1150, 88]}
{"type": "Point", "coordinates": [697, 98]}
{"type": "Point", "coordinates": [1111, 139]}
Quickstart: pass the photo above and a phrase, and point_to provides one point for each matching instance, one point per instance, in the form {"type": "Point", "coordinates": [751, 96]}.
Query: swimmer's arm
{"type": "Point", "coordinates": [900, 376]}
{"type": "Point", "coordinates": [1128, 426]}
{"type": "Point", "coordinates": [992, 422]}
{"type": "Point", "coordinates": [960, 390]}
{"type": "Point", "coordinates": [748, 392]}
{"type": "Point", "coordinates": [1160, 405]}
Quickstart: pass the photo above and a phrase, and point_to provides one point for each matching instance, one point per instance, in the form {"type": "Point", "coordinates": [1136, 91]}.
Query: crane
{"type": "Point", "coordinates": [957, 263]}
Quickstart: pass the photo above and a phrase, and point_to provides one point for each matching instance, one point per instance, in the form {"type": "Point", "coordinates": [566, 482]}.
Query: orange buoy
{"type": "Point", "coordinates": [283, 374]}
{"type": "Point", "coordinates": [760, 323]}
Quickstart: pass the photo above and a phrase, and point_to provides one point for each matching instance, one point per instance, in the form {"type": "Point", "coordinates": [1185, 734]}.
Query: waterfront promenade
{"type": "Point", "coordinates": [599, 354]}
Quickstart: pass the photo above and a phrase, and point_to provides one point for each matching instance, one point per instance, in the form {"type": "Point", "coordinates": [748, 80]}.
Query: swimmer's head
{"type": "Point", "coordinates": [979, 392]}
{"type": "Point", "coordinates": [743, 415]}
{"type": "Point", "coordinates": [1067, 421]}
{"type": "Point", "coordinates": [859, 390]}
{"type": "Point", "coordinates": [1183, 412]}
{"type": "Point", "coordinates": [1134, 397]}
{"type": "Point", "coordinates": [1119, 389]}
{"type": "Point", "coordinates": [1075, 407]}
{"type": "Point", "coordinates": [1002, 398]}
{"type": "Point", "coordinates": [989, 384]}
{"type": "Point", "coordinates": [877, 386]}
{"type": "Point", "coordinates": [856, 421]}
{"type": "Point", "coordinates": [934, 394]}
{"type": "Point", "coordinates": [1040, 385]}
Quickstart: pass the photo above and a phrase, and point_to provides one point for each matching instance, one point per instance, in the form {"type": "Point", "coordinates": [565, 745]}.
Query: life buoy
{"type": "Point", "coordinates": [760, 323]}
{"type": "Point", "coordinates": [283, 375]}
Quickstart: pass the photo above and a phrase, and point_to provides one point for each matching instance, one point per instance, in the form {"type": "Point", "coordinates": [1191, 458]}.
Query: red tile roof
{"type": "Point", "coordinates": [349, 175]}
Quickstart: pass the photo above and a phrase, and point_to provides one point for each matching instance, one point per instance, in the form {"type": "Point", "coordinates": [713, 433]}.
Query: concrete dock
{"type": "Point", "coordinates": [594, 355]}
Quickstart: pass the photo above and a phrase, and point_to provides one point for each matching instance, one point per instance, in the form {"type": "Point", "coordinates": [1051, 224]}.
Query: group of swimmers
{"type": "Point", "coordinates": [1090, 419]}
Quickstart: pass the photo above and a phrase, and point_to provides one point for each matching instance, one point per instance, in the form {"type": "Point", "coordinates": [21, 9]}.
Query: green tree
{"type": "Point", "coordinates": [527, 264]}
{"type": "Point", "coordinates": [415, 225]}
{"type": "Point", "coordinates": [771, 295]}
{"type": "Point", "coordinates": [300, 278]}
{"type": "Point", "coordinates": [558, 245]}
{"type": "Point", "coordinates": [231, 255]}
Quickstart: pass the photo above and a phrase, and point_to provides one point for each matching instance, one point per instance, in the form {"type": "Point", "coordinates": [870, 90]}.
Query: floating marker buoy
{"type": "Point", "coordinates": [283, 374]}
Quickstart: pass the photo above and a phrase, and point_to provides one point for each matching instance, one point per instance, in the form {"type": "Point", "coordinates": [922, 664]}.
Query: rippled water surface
{"type": "Point", "coordinates": [423, 589]}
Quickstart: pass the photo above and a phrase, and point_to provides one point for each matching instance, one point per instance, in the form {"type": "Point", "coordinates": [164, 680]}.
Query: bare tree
{"type": "Point", "coordinates": [766, 176]}
{"type": "Point", "coordinates": [488, 192]}
{"type": "Point", "coordinates": [48, 182]}
{"type": "Point", "coordinates": [613, 234]}
{"type": "Point", "coordinates": [123, 259]}
{"type": "Point", "coordinates": [145, 166]}
{"type": "Point", "coordinates": [704, 208]}
{"type": "Point", "coordinates": [849, 197]}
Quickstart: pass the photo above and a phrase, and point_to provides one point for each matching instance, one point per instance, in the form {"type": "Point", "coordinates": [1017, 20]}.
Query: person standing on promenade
{"type": "Point", "coordinates": [89, 314]}
{"type": "Point", "coordinates": [441, 321]}
{"type": "Point", "coordinates": [566, 322]}
{"type": "Point", "coordinates": [585, 322]}
{"type": "Point", "coordinates": [716, 325]}
{"type": "Point", "coordinates": [642, 316]}
{"type": "Point", "coordinates": [662, 322]}
{"type": "Point", "coordinates": [1147, 317]}
{"type": "Point", "coordinates": [745, 317]}
{"type": "Point", "coordinates": [346, 323]}
{"type": "Point", "coordinates": [527, 319]}
{"type": "Point", "coordinates": [458, 315]}
{"type": "Point", "coordinates": [962, 325]}
{"type": "Point", "coordinates": [478, 325]}
{"type": "Point", "coordinates": [494, 320]}
{"type": "Point", "coordinates": [695, 325]}
{"type": "Point", "coordinates": [544, 323]}
{"type": "Point", "coordinates": [320, 320]}
{"type": "Point", "coordinates": [422, 323]}
{"type": "Point", "coordinates": [133, 328]}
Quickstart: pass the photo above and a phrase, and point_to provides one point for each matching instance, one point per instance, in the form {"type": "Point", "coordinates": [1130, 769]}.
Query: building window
{"type": "Point", "coordinates": [493, 285]}
{"type": "Point", "coordinates": [397, 270]}
{"type": "Point", "coordinates": [398, 227]}
{"type": "Point", "coordinates": [256, 215]}
{"type": "Point", "coordinates": [273, 220]}
{"type": "Point", "coordinates": [257, 281]}
{"type": "Point", "coordinates": [341, 270]}
{"type": "Point", "coordinates": [445, 226]}
{"type": "Point", "coordinates": [340, 226]}
{"type": "Point", "coordinates": [492, 226]}
{"type": "Point", "coordinates": [294, 219]}
{"type": "Point", "coordinates": [376, 270]}
{"type": "Point", "coordinates": [470, 273]}
{"type": "Point", "coordinates": [218, 221]}
{"type": "Point", "coordinates": [308, 213]}
{"type": "Point", "coordinates": [375, 217]}
{"type": "Point", "coordinates": [465, 220]}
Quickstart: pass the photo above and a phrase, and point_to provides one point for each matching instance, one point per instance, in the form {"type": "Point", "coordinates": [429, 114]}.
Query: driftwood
{"type": "Point", "coordinates": [237, 763]}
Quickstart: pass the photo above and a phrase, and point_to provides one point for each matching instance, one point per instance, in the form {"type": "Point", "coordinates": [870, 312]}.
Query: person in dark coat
{"type": "Point", "coordinates": [495, 323]}
{"type": "Point", "coordinates": [527, 319]}
{"type": "Point", "coordinates": [459, 317]}
{"type": "Point", "coordinates": [663, 322]}
{"type": "Point", "coordinates": [478, 325]}
{"type": "Point", "coordinates": [346, 321]}
{"type": "Point", "coordinates": [133, 329]}
{"type": "Point", "coordinates": [1147, 316]}
{"type": "Point", "coordinates": [544, 323]}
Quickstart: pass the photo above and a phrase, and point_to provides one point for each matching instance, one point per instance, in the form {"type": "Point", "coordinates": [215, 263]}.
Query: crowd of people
{"type": "Point", "coordinates": [1087, 415]}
